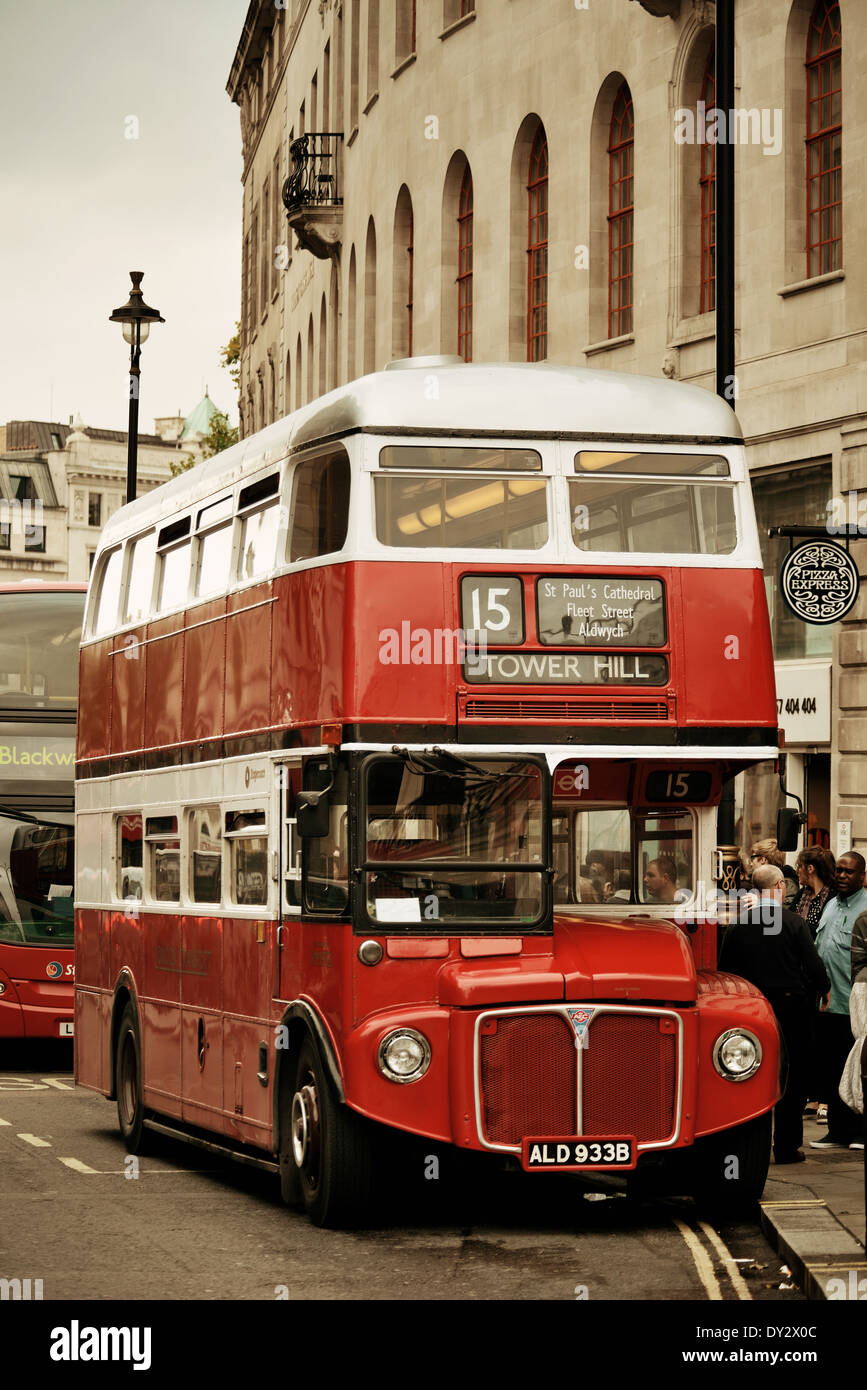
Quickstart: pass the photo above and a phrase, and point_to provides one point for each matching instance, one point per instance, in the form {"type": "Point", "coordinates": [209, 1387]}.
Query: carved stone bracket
{"type": "Point", "coordinates": [661, 9]}
{"type": "Point", "coordinates": [319, 231]}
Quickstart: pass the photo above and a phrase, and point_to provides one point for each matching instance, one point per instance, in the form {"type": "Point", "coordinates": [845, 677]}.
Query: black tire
{"type": "Point", "coordinates": [331, 1147]}
{"type": "Point", "coordinates": [130, 1101]}
{"type": "Point", "coordinates": [725, 1187]}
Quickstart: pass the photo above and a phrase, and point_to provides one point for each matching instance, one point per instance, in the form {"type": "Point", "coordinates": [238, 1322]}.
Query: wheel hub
{"type": "Point", "coordinates": [305, 1130]}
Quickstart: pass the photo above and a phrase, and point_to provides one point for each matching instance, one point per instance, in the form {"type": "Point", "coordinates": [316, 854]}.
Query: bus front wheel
{"type": "Point", "coordinates": [730, 1168]}
{"type": "Point", "coordinates": [130, 1102]}
{"type": "Point", "coordinates": [331, 1149]}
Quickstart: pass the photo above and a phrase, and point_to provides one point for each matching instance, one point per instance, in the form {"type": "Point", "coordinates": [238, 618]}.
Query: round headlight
{"type": "Point", "coordinates": [404, 1055]}
{"type": "Point", "coordinates": [737, 1054]}
{"type": "Point", "coordinates": [2, 987]}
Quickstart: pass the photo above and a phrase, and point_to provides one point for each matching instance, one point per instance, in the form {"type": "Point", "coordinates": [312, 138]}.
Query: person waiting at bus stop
{"type": "Point", "coordinates": [834, 1031]}
{"type": "Point", "coordinates": [772, 948]}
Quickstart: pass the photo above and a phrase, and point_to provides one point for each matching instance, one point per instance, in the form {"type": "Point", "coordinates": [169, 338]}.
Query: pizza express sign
{"type": "Point", "coordinates": [819, 581]}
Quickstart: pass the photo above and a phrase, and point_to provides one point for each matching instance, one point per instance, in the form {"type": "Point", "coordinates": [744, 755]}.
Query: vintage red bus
{"type": "Point", "coordinates": [40, 634]}
{"type": "Point", "coordinates": [403, 727]}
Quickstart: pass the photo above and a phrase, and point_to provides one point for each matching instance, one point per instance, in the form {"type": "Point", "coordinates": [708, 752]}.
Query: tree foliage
{"type": "Point", "coordinates": [230, 357]}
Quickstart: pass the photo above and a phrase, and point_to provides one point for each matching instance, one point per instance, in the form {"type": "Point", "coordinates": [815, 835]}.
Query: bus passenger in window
{"type": "Point", "coordinates": [586, 891]}
{"type": "Point", "coordinates": [660, 882]}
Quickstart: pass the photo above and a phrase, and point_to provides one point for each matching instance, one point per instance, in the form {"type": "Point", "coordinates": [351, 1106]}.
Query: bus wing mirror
{"type": "Point", "coordinates": [789, 822]}
{"type": "Point", "coordinates": [312, 816]}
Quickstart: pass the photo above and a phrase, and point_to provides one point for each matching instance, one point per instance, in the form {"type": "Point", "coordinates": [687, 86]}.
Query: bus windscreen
{"type": "Point", "coordinates": [39, 640]}
{"type": "Point", "coordinates": [36, 879]}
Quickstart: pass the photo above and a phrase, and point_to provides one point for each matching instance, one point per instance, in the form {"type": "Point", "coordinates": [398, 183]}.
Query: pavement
{"type": "Point", "coordinates": [813, 1215]}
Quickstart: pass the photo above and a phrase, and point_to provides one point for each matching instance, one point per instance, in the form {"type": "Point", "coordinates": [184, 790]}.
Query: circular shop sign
{"type": "Point", "coordinates": [819, 581]}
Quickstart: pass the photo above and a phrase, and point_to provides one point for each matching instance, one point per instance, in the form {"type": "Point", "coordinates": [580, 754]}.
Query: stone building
{"type": "Point", "coordinates": [534, 179]}
{"type": "Point", "coordinates": [59, 484]}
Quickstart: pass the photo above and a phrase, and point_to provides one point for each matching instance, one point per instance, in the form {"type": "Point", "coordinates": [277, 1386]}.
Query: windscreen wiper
{"type": "Point", "coordinates": [32, 820]}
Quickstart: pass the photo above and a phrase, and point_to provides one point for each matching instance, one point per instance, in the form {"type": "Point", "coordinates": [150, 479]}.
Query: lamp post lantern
{"type": "Point", "coordinates": [135, 317]}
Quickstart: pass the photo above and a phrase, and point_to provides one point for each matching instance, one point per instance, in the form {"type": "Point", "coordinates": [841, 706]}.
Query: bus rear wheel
{"type": "Point", "coordinates": [730, 1168]}
{"type": "Point", "coordinates": [331, 1149]}
{"type": "Point", "coordinates": [130, 1100]}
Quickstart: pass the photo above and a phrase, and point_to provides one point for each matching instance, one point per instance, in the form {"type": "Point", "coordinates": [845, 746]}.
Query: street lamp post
{"type": "Point", "coordinates": [135, 317]}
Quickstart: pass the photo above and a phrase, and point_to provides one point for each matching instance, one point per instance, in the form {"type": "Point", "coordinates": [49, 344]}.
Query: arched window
{"type": "Point", "coordinates": [322, 384]}
{"type": "Point", "coordinates": [537, 250]}
{"type": "Point", "coordinates": [369, 325]}
{"type": "Point", "coordinates": [620, 215]}
{"type": "Point", "coordinates": [708, 195]}
{"type": "Point", "coordinates": [311, 388]}
{"type": "Point", "coordinates": [824, 140]}
{"type": "Point", "coordinates": [465, 267]}
{"type": "Point", "coordinates": [351, 320]}
{"type": "Point", "coordinates": [299, 375]}
{"type": "Point", "coordinates": [402, 288]}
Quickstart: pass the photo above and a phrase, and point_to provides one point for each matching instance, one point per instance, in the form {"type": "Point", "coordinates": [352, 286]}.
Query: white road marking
{"type": "Point", "coordinates": [719, 1245]}
{"type": "Point", "coordinates": [21, 1083]}
{"type": "Point", "coordinates": [58, 1085]}
{"type": "Point", "coordinates": [35, 1141]}
{"type": "Point", "coordinates": [701, 1259]}
{"type": "Point", "coordinates": [77, 1165]}
{"type": "Point", "coordinates": [5, 1122]}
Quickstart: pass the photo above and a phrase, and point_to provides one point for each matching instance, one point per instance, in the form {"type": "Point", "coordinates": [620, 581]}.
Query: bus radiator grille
{"type": "Point", "coordinates": [576, 710]}
{"type": "Point", "coordinates": [630, 1077]}
{"type": "Point", "coordinates": [528, 1077]}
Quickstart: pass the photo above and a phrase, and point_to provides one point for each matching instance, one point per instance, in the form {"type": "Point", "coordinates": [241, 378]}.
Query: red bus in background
{"type": "Point", "coordinates": [403, 727]}
{"type": "Point", "coordinates": [40, 634]}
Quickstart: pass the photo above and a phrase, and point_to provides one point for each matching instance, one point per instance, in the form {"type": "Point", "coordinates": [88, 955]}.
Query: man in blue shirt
{"type": "Point", "coordinates": [834, 1031]}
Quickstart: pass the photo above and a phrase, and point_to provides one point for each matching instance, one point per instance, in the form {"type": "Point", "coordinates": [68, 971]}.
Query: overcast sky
{"type": "Point", "coordinates": [81, 205]}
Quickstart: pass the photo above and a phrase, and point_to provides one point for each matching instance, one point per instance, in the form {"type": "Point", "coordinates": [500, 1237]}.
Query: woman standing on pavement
{"type": "Point", "coordinates": [767, 852]}
{"type": "Point", "coordinates": [816, 873]}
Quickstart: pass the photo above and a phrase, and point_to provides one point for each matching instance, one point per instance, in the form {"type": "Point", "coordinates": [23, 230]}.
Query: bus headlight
{"type": "Point", "coordinates": [737, 1054]}
{"type": "Point", "coordinates": [404, 1055]}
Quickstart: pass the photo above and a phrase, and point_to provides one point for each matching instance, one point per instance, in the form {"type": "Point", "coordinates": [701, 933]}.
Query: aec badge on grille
{"type": "Point", "coordinates": [819, 581]}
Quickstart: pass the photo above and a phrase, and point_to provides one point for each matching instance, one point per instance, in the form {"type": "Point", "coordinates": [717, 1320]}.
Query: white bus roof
{"type": "Point", "coordinates": [429, 396]}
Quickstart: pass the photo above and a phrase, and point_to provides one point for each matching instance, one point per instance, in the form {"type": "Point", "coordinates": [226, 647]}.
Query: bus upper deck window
{"type": "Point", "coordinates": [173, 543]}
{"type": "Point", "coordinates": [641, 501]}
{"type": "Point", "coordinates": [214, 553]}
{"type": "Point", "coordinates": [108, 593]}
{"type": "Point", "coordinates": [137, 603]}
{"type": "Point", "coordinates": [258, 506]}
{"type": "Point", "coordinates": [320, 507]}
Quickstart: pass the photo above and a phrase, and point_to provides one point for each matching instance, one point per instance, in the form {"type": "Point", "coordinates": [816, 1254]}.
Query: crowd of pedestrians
{"type": "Point", "coordinates": [803, 942]}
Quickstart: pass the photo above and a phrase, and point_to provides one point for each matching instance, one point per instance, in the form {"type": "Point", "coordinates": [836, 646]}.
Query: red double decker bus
{"type": "Point", "coordinates": [403, 726]}
{"type": "Point", "coordinates": [40, 633]}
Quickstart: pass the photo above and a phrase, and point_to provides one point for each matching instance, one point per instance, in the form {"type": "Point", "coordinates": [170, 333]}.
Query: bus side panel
{"type": "Point", "coordinates": [92, 1039]}
{"type": "Point", "coordinates": [307, 657]}
{"type": "Point", "coordinates": [204, 672]}
{"type": "Point", "coordinates": [247, 990]}
{"type": "Point", "coordinates": [201, 991]}
{"type": "Point", "coordinates": [94, 700]}
{"type": "Point", "coordinates": [150, 950]}
{"type": "Point", "coordinates": [405, 656]}
{"type": "Point", "coordinates": [726, 631]}
{"type": "Point", "coordinates": [248, 660]}
{"type": "Point", "coordinates": [128, 693]}
{"type": "Point", "coordinates": [164, 665]}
